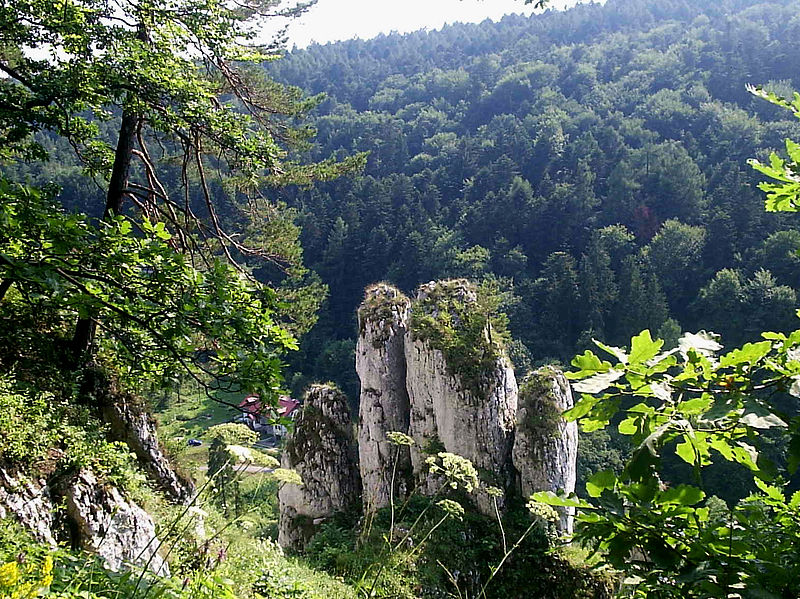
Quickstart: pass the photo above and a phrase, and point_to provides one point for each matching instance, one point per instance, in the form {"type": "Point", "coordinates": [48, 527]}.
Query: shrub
{"type": "Point", "coordinates": [27, 426]}
{"type": "Point", "coordinates": [231, 433]}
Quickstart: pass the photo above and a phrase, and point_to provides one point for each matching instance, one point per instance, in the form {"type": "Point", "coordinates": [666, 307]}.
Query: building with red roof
{"type": "Point", "coordinates": [261, 418]}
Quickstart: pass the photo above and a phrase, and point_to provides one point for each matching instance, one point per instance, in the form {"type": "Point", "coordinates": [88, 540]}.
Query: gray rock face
{"type": "Point", "coordinates": [117, 530]}
{"type": "Point", "coordinates": [434, 370]}
{"type": "Point", "coordinates": [134, 426]}
{"type": "Point", "coordinates": [546, 446]}
{"type": "Point", "coordinates": [384, 405]}
{"type": "Point", "coordinates": [322, 451]}
{"type": "Point", "coordinates": [453, 414]}
{"type": "Point", "coordinates": [447, 417]}
{"type": "Point", "coordinates": [29, 502]}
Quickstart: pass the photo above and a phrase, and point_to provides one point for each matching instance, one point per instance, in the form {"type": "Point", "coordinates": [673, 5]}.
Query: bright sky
{"type": "Point", "coordinates": [333, 20]}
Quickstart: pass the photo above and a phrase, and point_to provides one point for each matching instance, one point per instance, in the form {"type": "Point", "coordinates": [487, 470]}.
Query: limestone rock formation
{"type": "Point", "coordinates": [436, 369]}
{"type": "Point", "coordinates": [130, 422]}
{"type": "Point", "coordinates": [384, 405]}
{"type": "Point", "coordinates": [117, 530]}
{"type": "Point", "coordinates": [546, 446]}
{"type": "Point", "coordinates": [322, 451]}
{"type": "Point", "coordinates": [463, 403]}
{"type": "Point", "coordinates": [134, 426]}
{"type": "Point", "coordinates": [29, 502]}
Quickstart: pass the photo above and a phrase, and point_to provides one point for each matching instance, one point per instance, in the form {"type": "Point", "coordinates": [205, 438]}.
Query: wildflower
{"type": "Point", "coordinates": [9, 574]}
{"type": "Point", "coordinates": [397, 438]}
{"type": "Point", "coordinates": [457, 470]}
{"type": "Point", "coordinates": [451, 507]}
{"type": "Point", "coordinates": [542, 512]}
{"type": "Point", "coordinates": [494, 492]}
{"type": "Point", "coordinates": [47, 566]}
{"type": "Point", "coordinates": [242, 454]}
{"type": "Point", "coordinates": [266, 460]}
{"type": "Point", "coordinates": [47, 572]}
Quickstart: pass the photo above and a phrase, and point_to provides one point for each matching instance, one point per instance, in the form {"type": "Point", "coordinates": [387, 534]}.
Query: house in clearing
{"type": "Point", "coordinates": [262, 418]}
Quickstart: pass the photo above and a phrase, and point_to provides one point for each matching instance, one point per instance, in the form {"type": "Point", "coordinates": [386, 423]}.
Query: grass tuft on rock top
{"type": "Point", "coordinates": [383, 304]}
{"type": "Point", "coordinates": [463, 321]}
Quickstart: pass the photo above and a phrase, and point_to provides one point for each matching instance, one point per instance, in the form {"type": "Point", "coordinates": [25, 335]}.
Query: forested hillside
{"type": "Point", "coordinates": [593, 163]}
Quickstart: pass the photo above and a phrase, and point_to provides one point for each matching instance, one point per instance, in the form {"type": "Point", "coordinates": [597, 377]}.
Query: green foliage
{"type": "Point", "coordinates": [42, 433]}
{"type": "Point", "coordinates": [698, 404]}
{"type": "Point", "coordinates": [159, 313]}
{"type": "Point", "coordinates": [781, 196]}
{"type": "Point", "coordinates": [462, 321]}
{"type": "Point", "coordinates": [26, 424]}
{"type": "Point", "coordinates": [458, 557]}
{"type": "Point", "coordinates": [543, 421]}
{"type": "Point", "coordinates": [231, 433]}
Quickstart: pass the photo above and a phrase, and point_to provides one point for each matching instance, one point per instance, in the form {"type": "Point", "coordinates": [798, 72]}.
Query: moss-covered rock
{"type": "Point", "coordinates": [383, 403]}
{"type": "Point", "coordinates": [384, 311]}
{"type": "Point", "coordinates": [545, 445]}
{"type": "Point", "coordinates": [461, 320]}
{"type": "Point", "coordinates": [322, 451]}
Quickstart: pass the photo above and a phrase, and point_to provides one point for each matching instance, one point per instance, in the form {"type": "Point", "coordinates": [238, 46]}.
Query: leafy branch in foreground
{"type": "Point", "coordinates": [166, 106]}
{"type": "Point", "coordinates": [701, 405]}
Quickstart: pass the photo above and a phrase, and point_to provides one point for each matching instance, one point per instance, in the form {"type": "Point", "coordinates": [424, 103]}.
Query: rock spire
{"type": "Point", "coordinates": [322, 451]}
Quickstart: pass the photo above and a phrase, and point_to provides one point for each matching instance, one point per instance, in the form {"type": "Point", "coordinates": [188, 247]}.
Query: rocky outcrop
{"type": "Point", "coordinates": [384, 405]}
{"type": "Point", "coordinates": [97, 517]}
{"type": "Point", "coordinates": [463, 404]}
{"type": "Point", "coordinates": [436, 369]}
{"type": "Point", "coordinates": [117, 530]}
{"type": "Point", "coordinates": [546, 446]}
{"type": "Point", "coordinates": [130, 422]}
{"type": "Point", "coordinates": [29, 502]}
{"type": "Point", "coordinates": [322, 451]}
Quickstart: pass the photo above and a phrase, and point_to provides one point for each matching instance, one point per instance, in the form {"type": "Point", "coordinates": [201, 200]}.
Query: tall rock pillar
{"type": "Point", "coordinates": [322, 451]}
{"type": "Point", "coordinates": [460, 384]}
{"type": "Point", "coordinates": [546, 446]}
{"type": "Point", "coordinates": [384, 406]}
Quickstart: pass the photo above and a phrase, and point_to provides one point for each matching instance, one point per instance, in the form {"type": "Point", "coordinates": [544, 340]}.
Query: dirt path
{"type": "Point", "coordinates": [251, 469]}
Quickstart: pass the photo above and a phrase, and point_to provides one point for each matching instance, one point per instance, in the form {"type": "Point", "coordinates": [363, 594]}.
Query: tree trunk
{"type": "Point", "coordinates": [122, 164]}
{"type": "Point", "coordinates": [85, 329]}
{"type": "Point", "coordinates": [5, 285]}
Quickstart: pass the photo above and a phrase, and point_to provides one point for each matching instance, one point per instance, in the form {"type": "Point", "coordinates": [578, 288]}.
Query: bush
{"type": "Point", "coordinates": [232, 433]}
{"type": "Point", "coordinates": [27, 426]}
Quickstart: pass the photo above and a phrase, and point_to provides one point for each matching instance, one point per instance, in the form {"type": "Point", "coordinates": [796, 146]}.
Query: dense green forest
{"type": "Point", "coordinates": [592, 162]}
